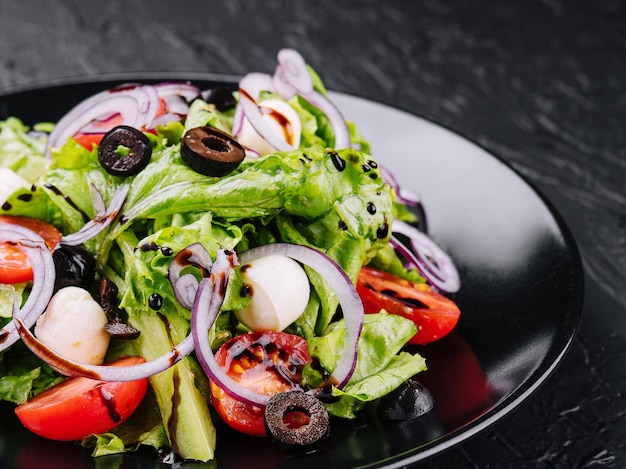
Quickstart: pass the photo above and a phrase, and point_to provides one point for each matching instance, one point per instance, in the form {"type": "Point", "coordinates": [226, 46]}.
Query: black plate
{"type": "Point", "coordinates": [521, 297]}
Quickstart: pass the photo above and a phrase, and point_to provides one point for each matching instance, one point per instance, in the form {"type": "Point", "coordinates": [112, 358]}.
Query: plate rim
{"type": "Point", "coordinates": [509, 402]}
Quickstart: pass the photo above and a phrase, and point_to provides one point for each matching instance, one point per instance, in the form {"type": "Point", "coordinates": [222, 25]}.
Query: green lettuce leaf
{"type": "Point", "coordinates": [21, 151]}
{"type": "Point", "coordinates": [380, 368]}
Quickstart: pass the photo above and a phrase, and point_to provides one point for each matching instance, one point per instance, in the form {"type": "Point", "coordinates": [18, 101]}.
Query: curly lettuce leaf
{"type": "Point", "coordinates": [21, 151]}
{"type": "Point", "coordinates": [381, 366]}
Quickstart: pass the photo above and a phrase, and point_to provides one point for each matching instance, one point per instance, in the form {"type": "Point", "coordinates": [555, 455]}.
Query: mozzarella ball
{"type": "Point", "coordinates": [279, 290]}
{"type": "Point", "coordinates": [10, 181]}
{"type": "Point", "coordinates": [282, 120]}
{"type": "Point", "coordinates": [73, 326]}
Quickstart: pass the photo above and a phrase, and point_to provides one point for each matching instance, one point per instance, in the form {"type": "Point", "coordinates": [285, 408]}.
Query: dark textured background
{"type": "Point", "coordinates": [539, 83]}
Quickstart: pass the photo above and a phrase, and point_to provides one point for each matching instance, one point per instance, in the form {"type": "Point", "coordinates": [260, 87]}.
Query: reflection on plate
{"type": "Point", "coordinates": [521, 295]}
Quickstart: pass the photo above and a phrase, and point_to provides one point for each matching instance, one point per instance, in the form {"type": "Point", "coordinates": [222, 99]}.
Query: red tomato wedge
{"type": "Point", "coordinates": [14, 265]}
{"type": "Point", "coordinates": [433, 314]}
{"type": "Point", "coordinates": [79, 407]}
{"type": "Point", "coordinates": [267, 362]}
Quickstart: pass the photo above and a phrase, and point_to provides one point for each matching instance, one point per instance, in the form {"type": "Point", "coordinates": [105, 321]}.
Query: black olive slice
{"type": "Point", "coordinates": [208, 151]}
{"type": "Point", "coordinates": [121, 330]}
{"type": "Point", "coordinates": [74, 266]}
{"type": "Point", "coordinates": [108, 300]}
{"type": "Point", "coordinates": [124, 151]}
{"type": "Point", "coordinates": [408, 401]}
{"type": "Point", "coordinates": [295, 420]}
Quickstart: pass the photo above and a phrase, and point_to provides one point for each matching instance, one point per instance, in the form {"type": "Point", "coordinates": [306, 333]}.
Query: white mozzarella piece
{"type": "Point", "coordinates": [10, 181]}
{"type": "Point", "coordinates": [279, 290]}
{"type": "Point", "coordinates": [282, 120]}
{"type": "Point", "coordinates": [73, 326]}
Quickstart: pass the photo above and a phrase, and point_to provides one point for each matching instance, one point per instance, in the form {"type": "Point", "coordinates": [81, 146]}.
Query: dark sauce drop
{"type": "Point", "coordinates": [172, 421]}
{"type": "Point", "coordinates": [109, 402]}
{"type": "Point", "coordinates": [246, 290]}
{"type": "Point", "coordinates": [339, 163]}
{"type": "Point", "coordinates": [7, 206]}
{"type": "Point", "coordinates": [371, 208]}
{"type": "Point", "coordinates": [155, 301]}
{"type": "Point", "coordinates": [382, 231]}
{"type": "Point", "coordinates": [25, 197]}
{"type": "Point", "coordinates": [55, 190]}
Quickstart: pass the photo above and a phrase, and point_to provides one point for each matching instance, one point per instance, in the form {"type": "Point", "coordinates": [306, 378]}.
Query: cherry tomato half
{"type": "Point", "coordinates": [79, 407]}
{"type": "Point", "coordinates": [267, 362]}
{"type": "Point", "coordinates": [433, 314]}
{"type": "Point", "coordinates": [14, 265]}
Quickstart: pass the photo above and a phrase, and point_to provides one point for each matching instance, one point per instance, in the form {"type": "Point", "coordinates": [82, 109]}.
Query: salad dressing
{"type": "Point", "coordinates": [109, 401]}
{"type": "Point", "coordinates": [70, 202]}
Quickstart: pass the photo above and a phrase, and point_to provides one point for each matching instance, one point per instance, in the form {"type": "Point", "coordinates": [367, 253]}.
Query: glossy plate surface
{"type": "Point", "coordinates": [521, 297]}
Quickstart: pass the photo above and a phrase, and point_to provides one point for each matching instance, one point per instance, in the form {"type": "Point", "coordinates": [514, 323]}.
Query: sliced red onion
{"type": "Point", "coordinates": [250, 88]}
{"type": "Point", "coordinates": [340, 128]}
{"type": "Point", "coordinates": [238, 119]}
{"type": "Point", "coordinates": [44, 275]}
{"type": "Point", "coordinates": [138, 105]}
{"type": "Point", "coordinates": [184, 89]}
{"type": "Point", "coordinates": [432, 262]}
{"type": "Point", "coordinates": [176, 96]}
{"type": "Point", "coordinates": [97, 126]}
{"type": "Point", "coordinates": [349, 299]}
{"type": "Point", "coordinates": [205, 310]}
{"type": "Point", "coordinates": [404, 196]}
{"type": "Point", "coordinates": [163, 119]}
{"type": "Point", "coordinates": [291, 75]}
{"type": "Point", "coordinates": [185, 286]}
{"type": "Point", "coordinates": [70, 367]}
{"type": "Point", "coordinates": [102, 219]}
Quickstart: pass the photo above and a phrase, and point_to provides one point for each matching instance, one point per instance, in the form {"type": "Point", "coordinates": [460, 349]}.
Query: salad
{"type": "Point", "coordinates": [172, 257]}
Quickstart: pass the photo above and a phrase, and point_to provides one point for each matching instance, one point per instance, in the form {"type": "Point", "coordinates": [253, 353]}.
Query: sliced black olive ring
{"type": "Point", "coordinates": [124, 151]}
{"type": "Point", "coordinates": [208, 151]}
{"type": "Point", "coordinates": [408, 401]}
{"type": "Point", "coordinates": [295, 420]}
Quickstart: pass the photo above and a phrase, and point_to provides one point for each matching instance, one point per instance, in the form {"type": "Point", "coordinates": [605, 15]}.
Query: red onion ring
{"type": "Point", "coordinates": [183, 89]}
{"type": "Point", "coordinates": [70, 367]}
{"type": "Point", "coordinates": [186, 286]}
{"type": "Point", "coordinates": [101, 220]}
{"type": "Point", "coordinates": [250, 88]}
{"type": "Point", "coordinates": [138, 105]}
{"type": "Point", "coordinates": [205, 310]}
{"type": "Point", "coordinates": [402, 195]}
{"type": "Point", "coordinates": [291, 77]}
{"type": "Point", "coordinates": [211, 294]}
{"type": "Point", "coordinates": [44, 275]}
{"type": "Point", "coordinates": [432, 262]}
{"type": "Point", "coordinates": [340, 128]}
{"type": "Point", "coordinates": [176, 96]}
